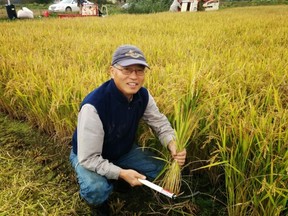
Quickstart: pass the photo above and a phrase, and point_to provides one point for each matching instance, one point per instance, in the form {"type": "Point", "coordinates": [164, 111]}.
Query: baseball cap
{"type": "Point", "coordinates": [126, 55]}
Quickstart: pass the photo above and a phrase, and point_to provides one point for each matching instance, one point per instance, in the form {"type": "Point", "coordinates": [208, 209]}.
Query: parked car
{"type": "Point", "coordinates": [66, 6]}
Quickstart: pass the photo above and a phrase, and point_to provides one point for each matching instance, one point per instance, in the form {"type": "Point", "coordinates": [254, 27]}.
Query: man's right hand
{"type": "Point", "coordinates": [131, 176]}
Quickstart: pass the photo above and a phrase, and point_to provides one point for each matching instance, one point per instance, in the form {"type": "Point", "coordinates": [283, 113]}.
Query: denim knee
{"type": "Point", "coordinates": [94, 188]}
{"type": "Point", "coordinates": [143, 161]}
{"type": "Point", "coordinates": [95, 193]}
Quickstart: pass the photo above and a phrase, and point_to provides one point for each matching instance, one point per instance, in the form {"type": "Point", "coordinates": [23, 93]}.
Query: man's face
{"type": "Point", "coordinates": [128, 79]}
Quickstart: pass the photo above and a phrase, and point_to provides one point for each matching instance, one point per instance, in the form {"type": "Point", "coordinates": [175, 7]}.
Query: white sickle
{"type": "Point", "coordinates": [158, 188]}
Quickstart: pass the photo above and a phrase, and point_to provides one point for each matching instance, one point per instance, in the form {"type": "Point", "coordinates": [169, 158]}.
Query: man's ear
{"type": "Point", "coordinates": [112, 72]}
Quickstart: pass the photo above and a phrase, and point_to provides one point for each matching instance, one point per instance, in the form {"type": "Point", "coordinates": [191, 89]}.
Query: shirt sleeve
{"type": "Point", "coordinates": [90, 139]}
{"type": "Point", "coordinates": [158, 122]}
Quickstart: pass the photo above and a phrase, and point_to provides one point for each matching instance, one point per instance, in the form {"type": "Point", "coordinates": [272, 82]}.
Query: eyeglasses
{"type": "Point", "coordinates": [129, 71]}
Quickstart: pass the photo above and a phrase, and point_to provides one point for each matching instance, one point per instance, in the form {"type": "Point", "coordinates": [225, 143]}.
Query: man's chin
{"type": "Point", "coordinates": [133, 91]}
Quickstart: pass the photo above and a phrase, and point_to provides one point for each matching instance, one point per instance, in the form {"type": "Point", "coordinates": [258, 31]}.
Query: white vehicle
{"type": "Point", "coordinates": [211, 5]}
{"type": "Point", "coordinates": [67, 6]}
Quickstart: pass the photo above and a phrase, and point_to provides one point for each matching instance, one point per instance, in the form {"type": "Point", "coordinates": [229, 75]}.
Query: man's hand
{"type": "Point", "coordinates": [131, 176]}
{"type": "Point", "coordinates": [178, 156]}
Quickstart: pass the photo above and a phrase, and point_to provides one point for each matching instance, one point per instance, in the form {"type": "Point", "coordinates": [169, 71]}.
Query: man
{"type": "Point", "coordinates": [80, 5]}
{"type": "Point", "coordinates": [104, 148]}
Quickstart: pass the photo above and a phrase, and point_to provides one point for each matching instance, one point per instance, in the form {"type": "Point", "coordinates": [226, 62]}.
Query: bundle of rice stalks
{"type": "Point", "coordinates": [184, 122]}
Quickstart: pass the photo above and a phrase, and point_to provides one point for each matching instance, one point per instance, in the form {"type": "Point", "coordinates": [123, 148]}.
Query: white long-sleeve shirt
{"type": "Point", "coordinates": [91, 137]}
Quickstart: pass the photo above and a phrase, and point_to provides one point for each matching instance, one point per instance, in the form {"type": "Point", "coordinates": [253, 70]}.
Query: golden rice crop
{"type": "Point", "coordinates": [234, 60]}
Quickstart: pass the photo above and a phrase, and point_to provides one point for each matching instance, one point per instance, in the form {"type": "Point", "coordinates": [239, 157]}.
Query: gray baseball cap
{"type": "Point", "coordinates": [126, 55]}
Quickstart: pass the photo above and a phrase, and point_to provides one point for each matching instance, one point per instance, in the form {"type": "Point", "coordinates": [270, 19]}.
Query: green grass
{"type": "Point", "coordinates": [36, 178]}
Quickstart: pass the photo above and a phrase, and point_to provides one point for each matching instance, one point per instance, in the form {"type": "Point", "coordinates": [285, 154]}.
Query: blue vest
{"type": "Point", "coordinates": [119, 117]}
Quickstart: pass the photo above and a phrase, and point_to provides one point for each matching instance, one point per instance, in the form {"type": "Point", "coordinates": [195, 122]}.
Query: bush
{"type": "Point", "coordinates": [149, 6]}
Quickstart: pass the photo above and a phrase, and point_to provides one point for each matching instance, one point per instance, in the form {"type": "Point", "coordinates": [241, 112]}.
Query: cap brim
{"type": "Point", "coordinates": [128, 62]}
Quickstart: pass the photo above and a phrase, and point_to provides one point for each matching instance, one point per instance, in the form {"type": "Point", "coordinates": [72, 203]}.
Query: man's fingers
{"type": "Point", "coordinates": [183, 153]}
{"type": "Point", "coordinates": [180, 157]}
{"type": "Point", "coordinates": [180, 162]}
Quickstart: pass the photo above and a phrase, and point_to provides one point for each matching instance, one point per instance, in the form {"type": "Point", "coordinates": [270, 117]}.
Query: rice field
{"type": "Point", "coordinates": [230, 66]}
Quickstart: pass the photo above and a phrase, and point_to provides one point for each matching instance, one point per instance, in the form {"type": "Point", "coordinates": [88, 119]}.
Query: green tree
{"type": "Point", "coordinates": [148, 6]}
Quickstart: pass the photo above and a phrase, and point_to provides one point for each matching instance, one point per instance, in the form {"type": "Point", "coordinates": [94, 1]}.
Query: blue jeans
{"type": "Point", "coordinates": [95, 189]}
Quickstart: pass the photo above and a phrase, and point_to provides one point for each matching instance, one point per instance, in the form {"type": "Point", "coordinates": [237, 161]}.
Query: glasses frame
{"type": "Point", "coordinates": [129, 71]}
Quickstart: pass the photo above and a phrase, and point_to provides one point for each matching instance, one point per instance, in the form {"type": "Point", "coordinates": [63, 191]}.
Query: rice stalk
{"type": "Point", "coordinates": [184, 124]}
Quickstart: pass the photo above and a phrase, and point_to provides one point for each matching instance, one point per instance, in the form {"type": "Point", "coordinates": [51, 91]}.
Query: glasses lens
{"type": "Point", "coordinates": [140, 72]}
{"type": "Point", "coordinates": [128, 71]}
